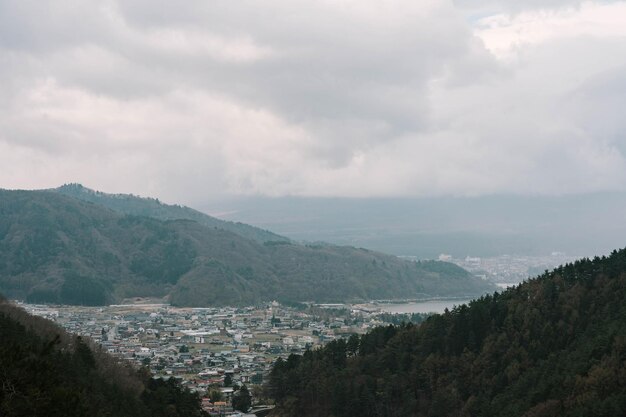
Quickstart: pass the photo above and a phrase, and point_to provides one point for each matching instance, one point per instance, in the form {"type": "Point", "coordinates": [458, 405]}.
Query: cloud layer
{"type": "Point", "coordinates": [349, 98]}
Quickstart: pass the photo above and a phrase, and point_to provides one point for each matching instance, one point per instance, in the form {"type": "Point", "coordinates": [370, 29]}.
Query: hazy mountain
{"type": "Point", "coordinates": [579, 225]}
{"type": "Point", "coordinates": [57, 248]}
{"type": "Point", "coordinates": [150, 207]}
{"type": "Point", "coordinates": [552, 346]}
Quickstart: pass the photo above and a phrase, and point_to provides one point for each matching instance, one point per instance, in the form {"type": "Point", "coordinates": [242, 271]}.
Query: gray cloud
{"type": "Point", "coordinates": [313, 98]}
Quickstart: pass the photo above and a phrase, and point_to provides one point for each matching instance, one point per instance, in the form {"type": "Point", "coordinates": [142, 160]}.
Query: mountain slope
{"type": "Point", "coordinates": [55, 248]}
{"type": "Point", "coordinates": [555, 345]}
{"type": "Point", "coordinates": [46, 372]}
{"type": "Point", "coordinates": [150, 207]}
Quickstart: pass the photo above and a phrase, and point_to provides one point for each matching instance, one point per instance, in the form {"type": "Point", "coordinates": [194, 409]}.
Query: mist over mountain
{"type": "Point", "coordinates": [579, 225]}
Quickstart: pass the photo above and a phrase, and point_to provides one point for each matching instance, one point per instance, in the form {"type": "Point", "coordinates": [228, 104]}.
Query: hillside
{"type": "Point", "coordinates": [47, 372]}
{"type": "Point", "coordinates": [150, 207]}
{"type": "Point", "coordinates": [58, 249]}
{"type": "Point", "coordinates": [552, 346]}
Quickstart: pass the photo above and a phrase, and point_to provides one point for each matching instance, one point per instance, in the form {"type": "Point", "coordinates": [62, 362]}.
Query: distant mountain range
{"type": "Point", "coordinates": [534, 225]}
{"type": "Point", "coordinates": [73, 245]}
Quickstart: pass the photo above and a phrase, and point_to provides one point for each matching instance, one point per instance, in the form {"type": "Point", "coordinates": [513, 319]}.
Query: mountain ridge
{"type": "Point", "coordinates": [56, 248]}
{"type": "Point", "coordinates": [153, 207]}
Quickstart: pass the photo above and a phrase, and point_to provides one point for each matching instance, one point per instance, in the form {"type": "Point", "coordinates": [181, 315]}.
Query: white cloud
{"type": "Point", "coordinates": [506, 35]}
{"type": "Point", "coordinates": [353, 98]}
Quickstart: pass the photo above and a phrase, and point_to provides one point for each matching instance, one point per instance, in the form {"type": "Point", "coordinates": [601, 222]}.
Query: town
{"type": "Point", "coordinates": [218, 351]}
{"type": "Point", "coordinates": [213, 351]}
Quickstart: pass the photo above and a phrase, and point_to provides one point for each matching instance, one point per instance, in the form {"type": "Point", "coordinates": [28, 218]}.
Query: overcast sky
{"type": "Point", "coordinates": [191, 100]}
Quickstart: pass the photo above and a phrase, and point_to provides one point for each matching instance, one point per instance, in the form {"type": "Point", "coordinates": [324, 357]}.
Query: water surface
{"type": "Point", "coordinates": [430, 306]}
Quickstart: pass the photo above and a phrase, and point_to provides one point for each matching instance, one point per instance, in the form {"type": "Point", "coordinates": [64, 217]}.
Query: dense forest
{"type": "Point", "coordinates": [552, 346]}
{"type": "Point", "coordinates": [47, 372]}
{"type": "Point", "coordinates": [55, 248]}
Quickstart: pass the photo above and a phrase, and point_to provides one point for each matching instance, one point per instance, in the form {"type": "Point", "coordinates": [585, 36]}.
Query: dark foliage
{"type": "Point", "coordinates": [400, 318]}
{"type": "Point", "coordinates": [552, 346]}
{"type": "Point", "coordinates": [46, 372]}
{"type": "Point", "coordinates": [242, 399]}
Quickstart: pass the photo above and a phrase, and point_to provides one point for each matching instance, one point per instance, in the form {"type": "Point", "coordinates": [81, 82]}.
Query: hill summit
{"type": "Point", "coordinates": [151, 207]}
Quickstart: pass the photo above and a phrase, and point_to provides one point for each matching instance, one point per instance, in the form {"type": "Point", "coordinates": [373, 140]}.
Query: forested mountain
{"type": "Point", "coordinates": [58, 249]}
{"type": "Point", "coordinates": [47, 372]}
{"type": "Point", "coordinates": [150, 207]}
{"type": "Point", "coordinates": [552, 346]}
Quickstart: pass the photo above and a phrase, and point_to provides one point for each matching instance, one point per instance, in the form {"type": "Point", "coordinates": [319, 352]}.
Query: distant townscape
{"type": "Point", "coordinates": [215, 351]}
{"type": "Point", "coordinates": [509, 269]}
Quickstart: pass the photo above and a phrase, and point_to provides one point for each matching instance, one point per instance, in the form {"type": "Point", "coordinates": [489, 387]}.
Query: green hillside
{"type": "Point", "coordinates": [150, 207]}
{"type": "Point", "coordinates": [553, 346]}
{"type": "Point", "coordinates": [58, 249]}
{"type": "Point", "coordinates": [45, 372]}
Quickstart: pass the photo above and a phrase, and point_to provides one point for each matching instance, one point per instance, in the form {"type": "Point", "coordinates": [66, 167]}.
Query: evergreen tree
{"type": "Point", "coordinates": [554, 345]}
{"type": "Point", "coordinates": [242, 400]}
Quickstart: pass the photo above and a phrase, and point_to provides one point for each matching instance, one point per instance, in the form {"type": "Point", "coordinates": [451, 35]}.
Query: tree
{"type": "Point", "coordinates": [228, 380]}
{"type": "Point", "coordinates": [353, 345]}
{"type": "Point", "coordinates": [242, 400]}
{"type": "Point", "coordinates": [215, 395]}
{"type": "Point", "coordinates": [84, 354]}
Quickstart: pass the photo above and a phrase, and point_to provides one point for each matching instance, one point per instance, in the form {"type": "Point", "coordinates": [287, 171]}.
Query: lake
{"type": "Point", "coordinates": [430, 306]}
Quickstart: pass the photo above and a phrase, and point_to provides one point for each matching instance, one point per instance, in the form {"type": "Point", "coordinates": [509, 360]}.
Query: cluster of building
{"type": "Point", "coordinates": [213, 351]}
{"type": "Point", "coordinates": [509, 269]}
